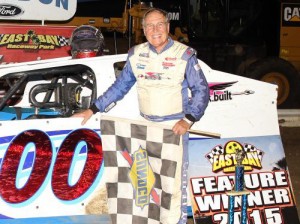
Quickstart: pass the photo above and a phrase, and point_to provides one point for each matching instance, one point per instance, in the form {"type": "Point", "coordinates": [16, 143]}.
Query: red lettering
{"type": "Point", "coordinates": [43, 154]}
{"type": "Point", "coordinates": [60, 185]}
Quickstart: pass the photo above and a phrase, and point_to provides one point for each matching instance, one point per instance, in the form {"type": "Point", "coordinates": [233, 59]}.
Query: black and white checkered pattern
{"type": "Point", "coordinates": [63, 41]}
{"type": "Point", "coordinates": [252, 148]}
{"type": "Point", "coordinates": [217, 150]}
{"type": "Point", "coordinates": [249, 148]}
{"type": "Point", "coordinates": [164, 151]}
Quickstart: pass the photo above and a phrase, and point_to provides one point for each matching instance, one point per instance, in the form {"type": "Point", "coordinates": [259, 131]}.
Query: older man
{"type": "Point", "coordinates": [164, 70]}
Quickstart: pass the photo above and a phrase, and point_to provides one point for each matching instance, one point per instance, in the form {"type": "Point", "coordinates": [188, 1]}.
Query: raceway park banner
{"type": "Point", "coordinates": [22, 43]}
{"type": "Point", "coordinates": [41, 10]}
{"type": "Point", "coordinates": [54, 167]}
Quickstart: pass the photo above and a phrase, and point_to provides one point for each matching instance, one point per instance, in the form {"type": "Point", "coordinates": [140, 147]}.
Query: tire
{"type": "Point", "coordinates": [280, 72]}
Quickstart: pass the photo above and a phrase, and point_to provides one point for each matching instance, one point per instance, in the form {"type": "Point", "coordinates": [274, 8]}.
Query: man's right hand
{"type": "Point", "coordinates": [86, 115]}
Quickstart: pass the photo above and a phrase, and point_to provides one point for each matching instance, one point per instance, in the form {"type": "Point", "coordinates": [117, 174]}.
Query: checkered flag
{"type": "Point", "coordinates": [217, 150]}
{"type": "Point", "coordinates": [249, 148]}
{"type": "Point", "coordinates": [143, 171]}
{"type": "Point", "coordinates": [252, 148]}
{"type": "Point", "coordinates": [63, 41]}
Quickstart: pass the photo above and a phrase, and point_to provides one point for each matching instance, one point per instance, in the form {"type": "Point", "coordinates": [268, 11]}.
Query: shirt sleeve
{"type": "Point", "coordinates": [116, 91]}
{"type": "Point", "coordinates": [199, 88]}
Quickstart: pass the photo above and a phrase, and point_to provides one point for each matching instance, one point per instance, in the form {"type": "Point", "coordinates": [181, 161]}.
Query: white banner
{"type": "Point", "coordinates": [51, 10]}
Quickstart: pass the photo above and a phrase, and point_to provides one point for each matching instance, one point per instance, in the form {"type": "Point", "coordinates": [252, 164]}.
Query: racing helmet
{"type": "Point", "coordinates": [86, 41]}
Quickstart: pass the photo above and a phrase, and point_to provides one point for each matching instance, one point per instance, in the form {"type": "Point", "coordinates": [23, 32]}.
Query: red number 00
{"type": "Point", "coordinates": [43, 155]}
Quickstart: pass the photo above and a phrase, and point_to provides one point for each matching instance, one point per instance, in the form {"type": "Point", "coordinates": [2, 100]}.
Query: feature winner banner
{"type": "Point", "coordinates": [266, 177]}
{"type": "Point", "coordinates": [143, 163]}
{"type": "Point", "coordinates": [244, 112]}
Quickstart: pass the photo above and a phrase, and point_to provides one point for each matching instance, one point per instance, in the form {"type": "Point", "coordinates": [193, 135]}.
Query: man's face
{"type": "Point", "coordinates": [156, 30]}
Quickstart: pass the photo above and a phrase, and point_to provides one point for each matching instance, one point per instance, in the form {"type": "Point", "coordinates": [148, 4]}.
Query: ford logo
{"type": "Point", "coordinates": [10, 10]}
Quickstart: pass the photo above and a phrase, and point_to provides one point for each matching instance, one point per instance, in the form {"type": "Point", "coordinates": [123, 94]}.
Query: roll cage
{"type": "Point", "coordinates": [46, 93]}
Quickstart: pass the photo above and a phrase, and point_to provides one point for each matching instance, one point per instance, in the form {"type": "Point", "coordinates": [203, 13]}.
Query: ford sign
{"type": "Point", "coordinates": [10, 11]}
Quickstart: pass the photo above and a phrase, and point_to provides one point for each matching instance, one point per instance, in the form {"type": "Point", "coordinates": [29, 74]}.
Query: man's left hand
{"type": "Point", "coordinates": [181, 127]}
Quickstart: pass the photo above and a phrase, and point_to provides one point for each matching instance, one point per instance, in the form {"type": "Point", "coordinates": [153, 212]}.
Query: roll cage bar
{"type": "Point", "coordinates": [64, 84]}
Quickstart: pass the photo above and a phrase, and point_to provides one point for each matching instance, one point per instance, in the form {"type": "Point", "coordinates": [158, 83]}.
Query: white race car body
{"type": "Point", "coordinates": [38, 99]}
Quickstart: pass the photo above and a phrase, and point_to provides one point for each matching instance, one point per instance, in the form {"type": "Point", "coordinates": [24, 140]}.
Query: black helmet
{"type": "Point", "coordinates": [86, 41]}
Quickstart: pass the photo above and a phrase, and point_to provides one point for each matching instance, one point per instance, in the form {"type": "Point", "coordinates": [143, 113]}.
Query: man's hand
{"type": "Point", "coordinates": [86, 115]}
{"type": "Point", "coordinates": [181, 127]}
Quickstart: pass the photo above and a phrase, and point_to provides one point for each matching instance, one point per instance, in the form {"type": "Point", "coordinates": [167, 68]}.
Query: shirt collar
{"type": "Point", "coordinates": [169, 44]}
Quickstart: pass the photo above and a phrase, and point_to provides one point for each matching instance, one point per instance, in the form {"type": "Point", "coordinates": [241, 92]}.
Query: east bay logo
{"type": "Point", "coordinates": [31, 40]}
{"type": "Point", "coordinates": [224, 157]}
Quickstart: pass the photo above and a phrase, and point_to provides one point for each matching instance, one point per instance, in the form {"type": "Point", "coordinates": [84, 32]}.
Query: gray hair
{"type": "Point", "coordinates": [160, 11]}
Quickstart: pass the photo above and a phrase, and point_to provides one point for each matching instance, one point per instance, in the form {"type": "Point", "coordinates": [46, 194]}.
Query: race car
{"type": "Point", "coordinates": [52, 166]}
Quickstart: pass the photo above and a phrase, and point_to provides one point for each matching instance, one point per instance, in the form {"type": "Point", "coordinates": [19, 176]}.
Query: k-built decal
{"type": "Point", "coordinates": [223, 158]}
{"type": "Point", "coordinates": [290, 14]}
{"type": "Point", "coordinates": [32, 41]}
{"type": "Point", "coordinates": [218, 91]}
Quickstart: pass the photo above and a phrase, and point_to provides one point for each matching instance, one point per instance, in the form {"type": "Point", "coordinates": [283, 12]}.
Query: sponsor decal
{"type": "Point", "coordinates": [197, 67]}
{"type": "Point", "coordinates": [110, 106]}
{"type": "Point", "coordinates": [144, 55]}
{"type": "Point", "coordinates": [10, 10]}
{"type": "Point", "coordinates": [167, 65]}
{"type": "Point", "coordinates": [170, 59]}
{"type": "Point", "coordinates": [152, 76]}
{"type": "Point", "coordinates": [218, 91]}
{"type": "Point", "coordinates": [32, 41]}
{"type": "Point", "coordinates": [189, 52]}
{"type": "Point", "coordinates": [142, 177]}
{"type": "Point", "coordinates": [143, 60]}
{"type": "Point", "coordinates": [140, 66]}
{"type": "Point", "coordinates": [290, 14]}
